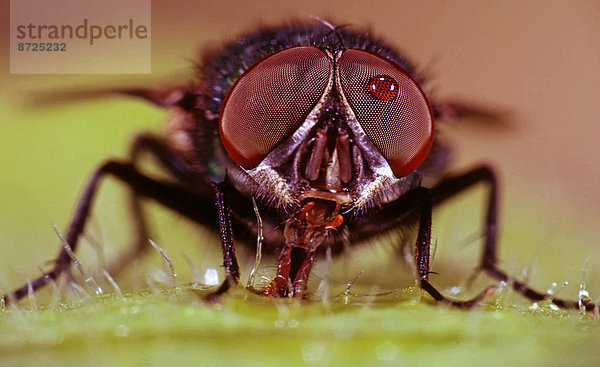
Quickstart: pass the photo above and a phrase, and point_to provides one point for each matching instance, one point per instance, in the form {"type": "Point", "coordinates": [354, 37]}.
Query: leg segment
{"type": "Point", "coordinates": [421, 199]}
{"type": "Point", "coordinates": [175, 197]}
{"type": "Point", "coordinates": [416, 199]}
{"type": "Point", "coordinates": [226, 233]}
{"type": "Point", "coordinates": [452, 186]}
{"type": "Point", "coordinates": [455, 185]}
{"type": "Point", "coordinates": [172, 164]}
{"type": "Point", "coordinates": [230, 263]}
{"type": "Point", "coordinates": [170, 161]}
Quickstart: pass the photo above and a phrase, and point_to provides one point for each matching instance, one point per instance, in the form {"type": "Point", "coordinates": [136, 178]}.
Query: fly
{"type": "Point", "coordinates": [328, 130]}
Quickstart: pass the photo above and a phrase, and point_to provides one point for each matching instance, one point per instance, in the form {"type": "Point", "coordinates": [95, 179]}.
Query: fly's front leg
{"type": "Point", "coordinates": [421, 198]}
{"type": "Point", "coordinates": [230, 263]}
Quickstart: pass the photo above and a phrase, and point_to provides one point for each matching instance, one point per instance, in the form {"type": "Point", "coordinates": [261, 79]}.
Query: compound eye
{"type": "Point", "coordinates": [270, 100]}
{"type": "Point", "coordinates": [390, 107]}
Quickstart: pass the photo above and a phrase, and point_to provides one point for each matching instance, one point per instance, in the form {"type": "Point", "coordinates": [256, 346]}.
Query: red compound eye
{"type": "Point", "coordinates": [394, 113]}
{"type": "Point", "coordinates": [270, 100]}
{"type": "Point", "coordinates": [383, 87]}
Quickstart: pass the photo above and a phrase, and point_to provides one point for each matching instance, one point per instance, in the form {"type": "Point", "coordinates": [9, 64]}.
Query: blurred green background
{"type": "Point", "coordinates": [537, 63]}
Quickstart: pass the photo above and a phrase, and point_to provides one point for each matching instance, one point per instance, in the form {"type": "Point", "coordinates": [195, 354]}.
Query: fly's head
{"type": "Point", "coordinates": [319, 123]}
{"type": "Point", "coordinates": [336, 122]}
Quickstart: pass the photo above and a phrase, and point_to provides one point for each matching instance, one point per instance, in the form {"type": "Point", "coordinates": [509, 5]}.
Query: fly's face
{"type": "Point", "coordinates": [323, 132]}
{"type": "Point", "coordinates": [341, 125]}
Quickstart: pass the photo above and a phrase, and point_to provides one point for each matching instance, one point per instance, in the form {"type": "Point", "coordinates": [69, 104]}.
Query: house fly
{"type": "Point", "coordinates": [330, 132]}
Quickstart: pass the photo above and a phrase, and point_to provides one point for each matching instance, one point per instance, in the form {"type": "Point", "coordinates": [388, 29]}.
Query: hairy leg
{"type": "Point", "coordinates": [173, 196]}
{"type": "Point", "coordinates": [423, 199]}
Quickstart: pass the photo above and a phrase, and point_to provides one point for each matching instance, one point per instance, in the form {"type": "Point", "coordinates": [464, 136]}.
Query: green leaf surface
{"type": "Point", "coordinates": [173, 327]}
